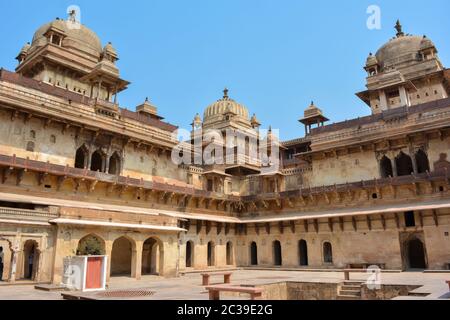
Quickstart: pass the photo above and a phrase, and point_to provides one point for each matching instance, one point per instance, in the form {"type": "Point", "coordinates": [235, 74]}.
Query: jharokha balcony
{"type": "Point", "coordinates": [333, 195]}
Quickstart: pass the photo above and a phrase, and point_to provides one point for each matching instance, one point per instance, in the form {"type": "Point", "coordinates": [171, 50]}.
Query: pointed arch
{"type": "Point", "coordinates": [122, 256]}
{"type": "Point", "coordinates": [82, 157]}
{"type": "Point", "coordinates": [423, 165]}
{"type": "Point", "coordinates": [327, 252]}
{"type": "Point", "coordinates": [386, 167]}
{"type": "Point", "coordinates": [152, 257]}
{"type": "Point", "coordinates": [91, 245]}
{"type": "Point", "coordinates": [98, 161]}
{"type": "Point", "coordinates": [404, 164]}
{"type": "Point", "coordinates": [115, 164]}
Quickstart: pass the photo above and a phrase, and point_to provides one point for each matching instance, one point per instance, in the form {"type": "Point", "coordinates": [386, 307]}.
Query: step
{"type": "Point", "coordinates": [356, 293]}
{"type": "Point", "coordinates": [50, 287]}
{"type": "Point", "coordinates": [350, 287]}
{"type": "Point", "coordinates": [353, 283]}
{"type": "Point", "coordinates": [345, 297]}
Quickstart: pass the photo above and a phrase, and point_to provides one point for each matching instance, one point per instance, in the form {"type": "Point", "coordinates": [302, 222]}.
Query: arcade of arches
{"type": "Point", "coordinates": [404, 165]}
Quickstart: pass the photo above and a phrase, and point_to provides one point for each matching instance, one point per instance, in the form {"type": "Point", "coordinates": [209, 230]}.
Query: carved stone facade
{"type": "Point", "coordinates": [78, 171]}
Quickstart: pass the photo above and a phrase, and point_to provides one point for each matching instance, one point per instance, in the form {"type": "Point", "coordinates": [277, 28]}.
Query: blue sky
{"type": "Point", "coordinates": [274, 56]}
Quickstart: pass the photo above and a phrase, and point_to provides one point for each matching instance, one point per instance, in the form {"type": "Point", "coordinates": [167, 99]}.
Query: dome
{"type": "Point", "coordinates": [77, 36]}
{"type": "Point", "coordinates": [371, 60]}
{"type": "Point", "coordinates": [426, 44]}
{"type": "Point", "coordinates": [398, 50]}
{"type": "Point", "coordinates": [25, 48]}
{"type": "Point", "coordinates": [109, 49]}
{"type": "Point", "coordinates": [222, 106]}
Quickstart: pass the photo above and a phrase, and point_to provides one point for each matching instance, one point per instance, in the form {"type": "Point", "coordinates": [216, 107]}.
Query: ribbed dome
{"type": "Point", "coordinates": [81, 38]}
{"type": "Point", "coordinates": [399, 49]}
{"type": "Point", "coordinates": [216, 110]}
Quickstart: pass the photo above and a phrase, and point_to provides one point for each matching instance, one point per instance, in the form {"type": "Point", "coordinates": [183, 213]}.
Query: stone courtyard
{"type": "Point", "coordinates": [188, 287]}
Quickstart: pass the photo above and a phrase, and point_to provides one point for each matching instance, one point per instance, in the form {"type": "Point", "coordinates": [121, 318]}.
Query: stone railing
{"type": "Point", "coordinates": [26, 214]}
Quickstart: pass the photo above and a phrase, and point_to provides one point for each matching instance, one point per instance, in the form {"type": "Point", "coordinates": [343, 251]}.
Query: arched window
{"type": "Point", "coordinates": [91, 245]}
{"type": "Point", "coordinates": [32, 134]}
{"type": "Point", "coordinates": [277, 257]}
{"type": "Point", "coordinates": [81, 158]}
{"type": "Point", "coordinates": [423, 165]}
{"type": "Point", "coordinates": [114, 164]}
{"type": "Point", "coordinates": [327, 253]}
{"type": "Point", "coordinates": [386, 167]}
{"type": "Point", "coordinates": [230, 258]}
{"type": "Point", "coordinates": [97, 161]}
{"type": "Point", "coordinates": [404, 165]}
{"type": "Point", "coordinates": [303, 252]}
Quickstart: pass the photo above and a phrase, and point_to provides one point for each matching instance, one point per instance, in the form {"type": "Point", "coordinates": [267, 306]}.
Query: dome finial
{"type": "Point", "coordinates": [225, 93]}
{"type": "Point", "coordinates": [399, 28]}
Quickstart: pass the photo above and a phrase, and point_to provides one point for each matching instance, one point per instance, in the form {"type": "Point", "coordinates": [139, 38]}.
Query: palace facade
{"type": "Point", "coordinates": [82, 176]}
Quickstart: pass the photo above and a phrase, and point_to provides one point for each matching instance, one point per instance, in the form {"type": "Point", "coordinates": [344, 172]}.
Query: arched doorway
{"type": "Point", "coordinates": [30, 260]}
{"type": "Point", "coordinates": [189, 254]}
{"type": "Point", "coordinates": [327, 253]}
{"type": "Point", "coordinates": [386, 167]}
{"type": "Point", "coordinates": [121, 257]}
{"type": "Point", "coordinates": [230, 257]}
{"type": "Point", "coordinates": [423, 165]}
{"type": "Point", "coordinates": [254, 254]}
{"type": "Point", "coordinates": [91, 245]}
{"type": "Point", "coordinates": [81, 158]}
{"type": "Point", "coordinates": [152, 257]}
{"type": "Point", "coordinates": [416, 254]}
{"type": "Point", "coordinates": [97, 161]}
{"type": "Point", "coordinates": [277, 257]}
{"type": "Point", "coordinates": [114, 164]}
{"type": "Point", "coordinates": [404, 165]}
{"type": "Point", "coordinates": [303, 252]}
{"type": "Point", "coordinates": [211, 254]}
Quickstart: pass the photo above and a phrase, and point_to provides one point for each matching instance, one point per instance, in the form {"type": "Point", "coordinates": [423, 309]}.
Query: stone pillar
{"type": "Point", "coordinates": [383, 100]}
{"type": "Point", "coordinates": [108, 252]}
{"type": "Point", "coordinates": [13, 268]}
{"type": "Point", "coordinates": [414, 162]}
{"type": "Point", "coordinates": [136, 260]}
{"type": "Point", "coordinates": [403, 97]}
{"type": "Point", "coordinates": [394, 166]}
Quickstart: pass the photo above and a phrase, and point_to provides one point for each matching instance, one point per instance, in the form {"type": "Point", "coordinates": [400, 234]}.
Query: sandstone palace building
{"type": "Point", "coordinates": [81, 175]}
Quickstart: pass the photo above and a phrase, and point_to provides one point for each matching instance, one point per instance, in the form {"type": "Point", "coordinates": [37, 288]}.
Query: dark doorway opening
{"type": "Point", "coordinates": [81, 158]}
{"type": "Point", "coordinates": [211, 254]}
{"type": "Point", "coordinates": [416, 254]}
{"type": "Point", "coordinates": [277, 257]}
{"type": "Point", "coordinates": [189, 254]}
{"type": "Point", "coordinates": [386, 167]}
{"type": "Point", "coordinates": [404, 165]}
{"type": "Point", "coordinates": [423, 165]}
{"type": "Point", "coordinates": [327, 253]}
{"type": "Point", "coordinates": [97, 162]}
{"type": "Point", "coordinates": [303, 252]}
{"type": "Point", "coordinates": [254, 254]}
{"type": "Point", "coordinates": [410, 220]}
{"type": "Point", "coordinates": [114, 164]}
{"type": "Point", "coordinates": [230, 260]}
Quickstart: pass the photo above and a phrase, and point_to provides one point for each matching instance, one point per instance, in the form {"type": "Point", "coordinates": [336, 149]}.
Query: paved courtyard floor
{"type": "Point", "coordinates": [188, 287]}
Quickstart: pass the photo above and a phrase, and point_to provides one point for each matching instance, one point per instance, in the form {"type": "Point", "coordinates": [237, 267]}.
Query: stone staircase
{"type": "Point", "coordinates": [350, 290]}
